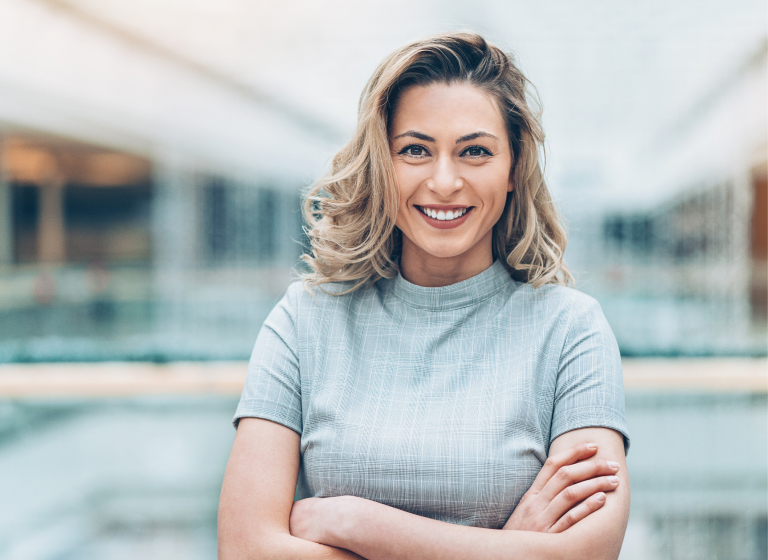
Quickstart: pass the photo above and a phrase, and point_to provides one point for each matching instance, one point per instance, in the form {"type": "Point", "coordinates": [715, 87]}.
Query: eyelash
{"type": "Point", "coordinates": [404, 151]}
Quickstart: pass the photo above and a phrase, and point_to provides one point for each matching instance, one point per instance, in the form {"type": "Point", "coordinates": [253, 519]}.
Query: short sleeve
{"type": "Point", "coordinates": [272, 387]}
{"type": "Point", "coordinates": [590, 386]}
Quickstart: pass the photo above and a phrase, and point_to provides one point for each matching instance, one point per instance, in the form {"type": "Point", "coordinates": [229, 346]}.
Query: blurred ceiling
{"type": "Point", "coordinates": [612, 75]}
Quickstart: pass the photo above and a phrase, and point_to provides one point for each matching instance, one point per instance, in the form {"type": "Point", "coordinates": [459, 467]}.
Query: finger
{"type": "Point", "coordinates": [572, 495]}
{"type": "Point", "coordinates": [576, 514]}
{"type": "Point", "coordinates": [555, 462]}
{"type": "Point", "coordinates": [569, 475]}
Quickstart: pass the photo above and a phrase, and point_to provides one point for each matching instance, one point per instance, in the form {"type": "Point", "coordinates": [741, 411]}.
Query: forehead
{"type": "Point", "coordinates": [448, 109]}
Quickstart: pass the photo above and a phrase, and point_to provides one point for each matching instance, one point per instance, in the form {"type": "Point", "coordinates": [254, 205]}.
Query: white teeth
{"type": "Point", "coordinates": [443, 216]}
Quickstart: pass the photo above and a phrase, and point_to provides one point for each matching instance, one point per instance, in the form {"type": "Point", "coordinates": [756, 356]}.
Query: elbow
{"type": "Point", "coordinates": [581, 547]}
{"type": "Point", "coordinates": [230, 548]}
{"type": "Point", "coordinates": [605, 552]}
{"type": "Point", "coordinates": [245, 549]}
{"type": "Point", "coordinates": [235, 542]}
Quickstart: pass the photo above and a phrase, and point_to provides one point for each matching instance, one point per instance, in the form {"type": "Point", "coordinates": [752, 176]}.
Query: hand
{"type": "Point", "coordinates": [566, 491]}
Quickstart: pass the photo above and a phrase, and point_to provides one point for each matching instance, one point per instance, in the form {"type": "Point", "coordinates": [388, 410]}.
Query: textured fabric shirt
{"type": "Point", "coordinates": [438, 401]}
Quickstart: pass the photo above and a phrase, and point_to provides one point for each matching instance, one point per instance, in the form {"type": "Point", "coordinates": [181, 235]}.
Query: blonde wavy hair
{"type": "Point", "coordinates": [351, 212]}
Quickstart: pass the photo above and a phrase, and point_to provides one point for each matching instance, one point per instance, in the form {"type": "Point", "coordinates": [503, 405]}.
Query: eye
{"type": "Point", "coordinates": [476, 152]}
{"type": "Point", "coordinates": [414, 150]}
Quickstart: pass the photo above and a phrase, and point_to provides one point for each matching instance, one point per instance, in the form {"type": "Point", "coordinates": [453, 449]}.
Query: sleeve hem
{"type": "Point", "coordinates": [255, 408]}
{"type": "Point", "coordinates": [590, 417]}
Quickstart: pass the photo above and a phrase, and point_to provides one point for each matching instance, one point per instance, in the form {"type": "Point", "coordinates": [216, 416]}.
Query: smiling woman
{"type": "Point", "coordinates": [352, 212]}
{"type": "Point", "coordinates": [434, 390]}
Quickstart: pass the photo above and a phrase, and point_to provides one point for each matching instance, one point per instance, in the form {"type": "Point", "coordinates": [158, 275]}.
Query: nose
{"type": "Point", "coordinates": [445, 179]}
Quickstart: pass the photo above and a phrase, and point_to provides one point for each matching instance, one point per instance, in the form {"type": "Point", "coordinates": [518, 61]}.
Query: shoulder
{"type": "Point", "coordinates": [562, 311]}
{"type": "Point", "coordinates": [304, 300]}
{"type": "Point", "coordinates": [556, 299]}
{"type": "Point", "coordinates": [581, 320]}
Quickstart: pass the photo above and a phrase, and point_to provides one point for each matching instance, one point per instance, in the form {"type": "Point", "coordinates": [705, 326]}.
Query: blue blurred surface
{"type": "Point", "coordinates": [140, 478]}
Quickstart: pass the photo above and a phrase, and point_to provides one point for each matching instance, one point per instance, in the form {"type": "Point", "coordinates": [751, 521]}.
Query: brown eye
{"type": "Point", "coordinates": [414, 151]}
{"type": "Point", "coordinates": [476, 151]}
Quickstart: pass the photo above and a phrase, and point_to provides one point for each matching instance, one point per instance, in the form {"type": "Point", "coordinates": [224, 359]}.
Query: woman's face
{"type": "Point", "coordinates": [452, 161]}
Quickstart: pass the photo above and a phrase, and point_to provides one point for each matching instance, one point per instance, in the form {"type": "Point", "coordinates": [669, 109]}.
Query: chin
{"type": "Point", "coordinates": [442, 251]}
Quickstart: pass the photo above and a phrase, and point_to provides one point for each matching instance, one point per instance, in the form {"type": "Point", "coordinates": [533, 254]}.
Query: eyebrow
{"type": "Point", "coordinates": [474, 135]}
{"type": "Point", "coordinates": [415, 134]}
{"type": "Point", "coordinates": [465, 138]}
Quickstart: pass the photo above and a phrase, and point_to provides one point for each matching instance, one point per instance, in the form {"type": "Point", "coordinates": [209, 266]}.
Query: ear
{"type": "Point", "coordinates": [510, 185]}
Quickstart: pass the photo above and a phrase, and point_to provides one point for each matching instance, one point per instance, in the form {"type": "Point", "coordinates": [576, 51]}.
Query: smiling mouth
{"type": "Point", "coordinates": [443, 215]}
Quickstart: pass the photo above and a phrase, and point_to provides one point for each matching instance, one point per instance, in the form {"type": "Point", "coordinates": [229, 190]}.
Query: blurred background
{"type": "Point", "coordinates": [152, 156]}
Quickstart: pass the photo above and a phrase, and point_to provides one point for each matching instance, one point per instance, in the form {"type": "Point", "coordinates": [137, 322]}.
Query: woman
{"type": "Point", "coordinates": [434, 381]}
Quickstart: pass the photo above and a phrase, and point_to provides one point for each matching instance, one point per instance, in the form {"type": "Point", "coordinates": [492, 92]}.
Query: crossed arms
{"type": "Point", "coordinates": [562, 515]}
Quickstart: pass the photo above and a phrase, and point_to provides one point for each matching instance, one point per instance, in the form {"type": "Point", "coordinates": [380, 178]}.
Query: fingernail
{"type": "Point", "coordinates": [600, 497]}
{"type": "Point", "coordinates": [613, 479]}
{"type": "Point", "coordinates": [592, 445]}
{"type": "Point", "coordinates": [613, 464]}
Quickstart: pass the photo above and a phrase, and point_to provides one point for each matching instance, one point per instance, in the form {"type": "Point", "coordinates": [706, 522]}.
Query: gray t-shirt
{"type": "Point", "coordinates": [438, 401]}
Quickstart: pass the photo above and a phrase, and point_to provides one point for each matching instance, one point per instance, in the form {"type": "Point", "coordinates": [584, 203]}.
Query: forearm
{"type": "Point", "coordinates": [280, 546]}
{"type": "Point", "coordinates": [376, 531]}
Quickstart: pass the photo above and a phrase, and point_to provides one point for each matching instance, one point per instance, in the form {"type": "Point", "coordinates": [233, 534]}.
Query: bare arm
{"type": "Point", "coordinates": [257, 495]}
{"type": "Point", "coordinates": [601, 533]}
{"type": "Point", "coordinates": [376, 531]}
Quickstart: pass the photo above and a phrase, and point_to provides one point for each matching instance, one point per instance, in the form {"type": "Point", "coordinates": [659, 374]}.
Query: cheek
{"type": "Point", "coordinates": [495, 186]}
{"type": "Point", "coordinates": [408, 179]}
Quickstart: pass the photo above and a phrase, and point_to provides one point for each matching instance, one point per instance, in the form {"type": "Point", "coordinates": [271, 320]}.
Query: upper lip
{"type": "Point", "coordinates": [444, 207]}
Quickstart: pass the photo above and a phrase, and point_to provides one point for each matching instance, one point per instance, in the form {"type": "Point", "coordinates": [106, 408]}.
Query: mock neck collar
{"type": "Point", "coordinates": [462, 294]}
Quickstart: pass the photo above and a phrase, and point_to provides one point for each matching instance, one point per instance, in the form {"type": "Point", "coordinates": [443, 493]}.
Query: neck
{"type": "Point", "coordinates": [426, 270]}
